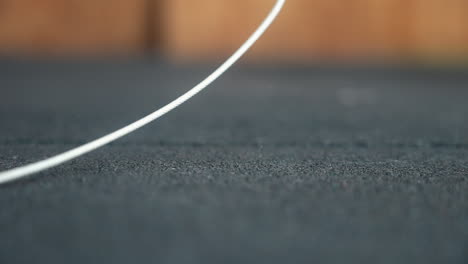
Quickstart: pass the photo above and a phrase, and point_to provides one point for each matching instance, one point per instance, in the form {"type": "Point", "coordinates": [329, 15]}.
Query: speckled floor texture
{"type": "Point", "coordinates": [277, 164]}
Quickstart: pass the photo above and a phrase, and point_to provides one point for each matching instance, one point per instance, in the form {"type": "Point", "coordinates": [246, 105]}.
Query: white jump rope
{"type": "Point", "coordinates": [26, 170]}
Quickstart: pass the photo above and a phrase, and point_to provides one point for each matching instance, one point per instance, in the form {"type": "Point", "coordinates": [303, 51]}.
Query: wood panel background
{"type": "Point", "coordinates": [201, 29]}
{"type": "Point", "coordinates": [320, 29]}
{"type": "Point", "coordinates": [72, 27]}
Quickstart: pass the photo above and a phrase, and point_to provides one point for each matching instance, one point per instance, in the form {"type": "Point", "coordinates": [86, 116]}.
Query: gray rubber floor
{"type": "Point", "coordinates": [269, 165]}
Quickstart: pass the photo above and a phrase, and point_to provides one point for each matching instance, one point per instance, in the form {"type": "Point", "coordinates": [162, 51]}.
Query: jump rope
{"type": "Point", "coordinates": [32, 168]}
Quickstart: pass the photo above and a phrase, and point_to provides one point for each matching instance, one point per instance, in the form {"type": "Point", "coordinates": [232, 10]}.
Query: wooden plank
{"type": "Point", "coordinates": [319, 29]}
{"type": "Point", "coordinates": [439, 28]}
{"type": "Point", "coordinates": [72, 27]}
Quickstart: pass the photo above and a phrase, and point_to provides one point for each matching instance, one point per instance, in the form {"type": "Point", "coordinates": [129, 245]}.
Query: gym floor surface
{"type": "Point", "coordinates": [274, 165]}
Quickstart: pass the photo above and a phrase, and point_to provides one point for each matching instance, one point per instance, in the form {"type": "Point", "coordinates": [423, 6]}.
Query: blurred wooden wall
{"type": "Point", "coordinates": [187, 29]}
{"type": "Point", "coordinates": [321, 29]}
{"type": "Point", "coordinates": [72, 27]}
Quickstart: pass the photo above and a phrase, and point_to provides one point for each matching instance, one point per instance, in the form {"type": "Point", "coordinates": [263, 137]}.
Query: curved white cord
{"type": "Point", "coordinates": [23, 171]}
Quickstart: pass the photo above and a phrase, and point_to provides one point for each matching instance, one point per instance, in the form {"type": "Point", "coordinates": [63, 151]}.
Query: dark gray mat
{"type": "Point", "coordinates": [349, 165]}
